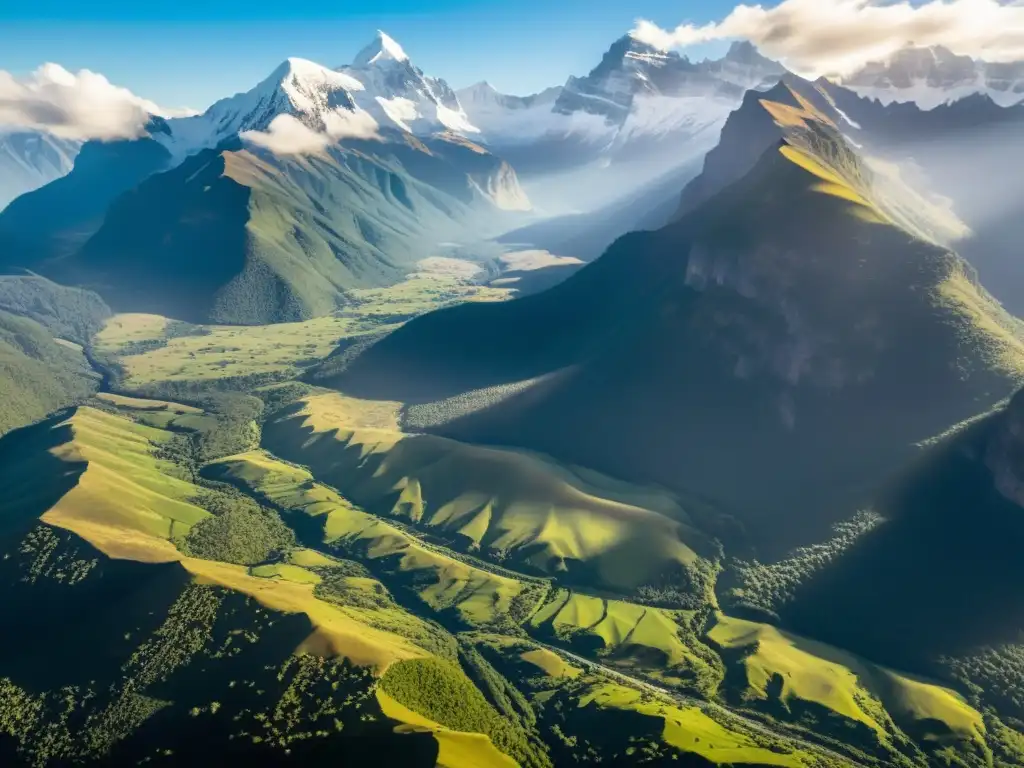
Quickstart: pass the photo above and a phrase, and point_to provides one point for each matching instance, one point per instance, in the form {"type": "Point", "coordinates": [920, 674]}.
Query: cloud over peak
{"type": "Point", "coordinates": [287, 135]}
{"type": "Point", "coordinates": [814, 37]}
{"type": "Point", "coordinates": [82, 105]}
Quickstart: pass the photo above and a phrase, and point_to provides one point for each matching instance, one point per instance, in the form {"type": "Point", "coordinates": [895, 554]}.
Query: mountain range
{"type": "Point", "coordinates": [673, 416]}
{"type": "Point", "coordinates": [934, 75]}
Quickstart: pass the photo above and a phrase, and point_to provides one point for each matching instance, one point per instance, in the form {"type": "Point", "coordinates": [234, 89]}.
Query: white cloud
{"type": "Point", "coordinates": [287, 135]}
{"type": "Point", "coordinates": [814, 37]}
{"type": "Point", "coordinates": [82, 105]}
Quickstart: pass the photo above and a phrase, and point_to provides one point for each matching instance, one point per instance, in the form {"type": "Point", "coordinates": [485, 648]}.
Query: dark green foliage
{"type": "Point", "coordinates": [994, 678]}
{"type": "Point", "coordinates": [67, 313]}
{"type": "Point", "coordinates": [234, 238]}
{"type": "Point", "coordinates": [236, 428]}
{"type": "Point", "coordinates": [337, 588]}
{"type": "Point", "coordinates": [37, 375]}
{"type": "Point", "coordinates": [440, 691]}
{"type": "Point", "coordinates": [240, 531]}
{"type": "Point", "coordinates": [278, 396]}
{"type": "Point", "coordinates": [51, 222]}
{"type": "Point", "coordinates": [672, 357]}
{"type": "Point", "coordinates": [342, 357]}
{"type": "Point", "coordinates": [128, 664]}
{"type": "Point", "coordinates": [941, 576]}
{"type": "Point", "coordinates": [764, 589]}
{"type": "Point", "coordinates": [527, 746]}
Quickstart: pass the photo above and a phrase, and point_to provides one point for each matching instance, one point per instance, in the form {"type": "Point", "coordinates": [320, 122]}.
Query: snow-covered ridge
{"type": "Point", "coordinates": [397, 92]}
{"type": "Point", "coordinates": [380, 87]}
{"type": "Point", "coordinates": [636, 92]}
{"type": "Point", "coordinates": [935, 75]}
{"type": "Point", "coordinates": [383, 48]}
{"type": "Point", "coordinates": [29, 159]}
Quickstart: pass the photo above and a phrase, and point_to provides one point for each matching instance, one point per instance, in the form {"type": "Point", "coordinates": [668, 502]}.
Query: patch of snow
{"type": "Point", "coordinates": [928, 96]}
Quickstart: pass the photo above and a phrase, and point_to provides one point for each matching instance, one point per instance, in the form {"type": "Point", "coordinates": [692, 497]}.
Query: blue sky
{"type": "Point", "coordinates": [190, 52]}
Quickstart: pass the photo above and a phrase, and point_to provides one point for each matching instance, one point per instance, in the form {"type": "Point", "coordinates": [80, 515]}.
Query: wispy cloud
{"type": "Point", "coordinates": [287, 135]}
{"type": "Point", "coordinates": [82, 105]}
{"type": "Point", "coordinates": [815, 37]}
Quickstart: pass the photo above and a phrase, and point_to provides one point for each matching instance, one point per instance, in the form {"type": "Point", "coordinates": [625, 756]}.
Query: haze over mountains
{"type": "Point", "coordinates": [671, 416]}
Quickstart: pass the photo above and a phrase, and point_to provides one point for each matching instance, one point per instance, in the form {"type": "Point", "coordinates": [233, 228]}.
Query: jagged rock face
{"type": "Point", "coordinates": [631, 68]}
{"type": "Point", "coordinates": [934, 75]}
{"type": "Point", "coordinates": [30, 159]}
{"type": "Point", "coordinates": [1005, 453]}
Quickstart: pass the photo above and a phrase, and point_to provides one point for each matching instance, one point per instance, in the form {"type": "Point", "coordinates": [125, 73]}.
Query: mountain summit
{"type": "Point", "coordinates": [396, 92]}
{"type": "Point", "coordinates": [383, 49]}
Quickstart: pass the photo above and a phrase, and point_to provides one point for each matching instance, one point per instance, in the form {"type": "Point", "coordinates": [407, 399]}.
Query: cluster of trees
{"type": "Point", "coordinates": [993, 676]}
{"type": "Point", "coordinates": [240, 531]}
{"type": "Point", "coordinates": [522, 741]}
{"type": "Point", "coordinates": [338, 587]}
{"type": "Point", "coordinates": [67, 313]}
{"type": "Point", "coordinates": [439, 690]}
{"type": "Point", "coordinates": [37, 375]}
{"type": "Point", "coordinates": [764, 589]}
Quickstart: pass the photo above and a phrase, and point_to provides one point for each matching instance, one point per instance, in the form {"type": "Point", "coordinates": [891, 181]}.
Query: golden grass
{"type": "Point", "coordinates": [500, 500]}
{"type": "Point", "coordinates": [124, 486]}
{"type": "Point", "coordinates": [809, 671]}
{"type": "Point", "coordinates": [909, 699]}
{"type": "Point", "coordinates": [550, 663]}
{"type": "Point", "coordinates": [140, 404]}
{"type": "Point", "coordinates": [479, 596]}
{"type": "Point", "coordinates": [281, 348]}
{"type": "Point", "coordinates": [333, 410]}
{"type": "Point", "coordinates": [456, 749]}
{"type": "Point", "coordinates": [132, 326]}
{"type": "Point", "coordinates": [310, 558]}
{"type": "Point", "coordinates": [286, 572]}
{"type": "Point", "coordinates": [999, 335]}
{"type": "Point", "coordinates": [225, 351]}
{"type": "Point", "coordinates": [335, 632]}
{"type": "Point", "coordinates": [843, 683]}
{"type": "Point", "coordinates": [690, 730]}
{"type": "Point", "coordinates": [628, 631]}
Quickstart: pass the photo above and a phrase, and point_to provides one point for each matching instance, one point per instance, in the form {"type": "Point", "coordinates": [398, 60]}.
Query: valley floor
{"type": "Point", "coordinates": [219, 558]}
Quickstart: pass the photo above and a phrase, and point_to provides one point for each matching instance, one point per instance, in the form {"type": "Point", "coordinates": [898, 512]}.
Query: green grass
{"type": "Point", "coordinates": [37, 375]}
{"type": "Point", "coordinates": [124, 485]}
{"type": "Point", "coordinates": [629, 634]}
{"type": "Point", "coordinates": [277, 350]}
{"type": "Point", "coordinates": [440, 691]}
{"type": "Point", "coordinates": [690, 730]}
{"type": "Point", "coordinates": [441, 581]}
{"type": "Point", "coordinates": [777, 667]}
{"type": "Point", "coordinates": [287, 572]}
{"type": "Point", "coordinates": [509, 506]}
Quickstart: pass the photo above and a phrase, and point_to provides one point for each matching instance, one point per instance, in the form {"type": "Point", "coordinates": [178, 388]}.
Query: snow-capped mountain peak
{"type": "Point", "coordinates": [303, 89]}
{"type": "Point", "coordinates": [396, 92]}
{"type": "Point", "coordinates": [383, 49]}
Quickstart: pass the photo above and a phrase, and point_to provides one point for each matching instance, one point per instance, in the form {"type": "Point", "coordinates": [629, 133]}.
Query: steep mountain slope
{"type": "Point", "coordinates": [587, 235]}
{"type": "Point", "coordinates": [790, 332]}
{"type": "Point", "coordinates": [30, 159]}
{"type": "Point", "coordinates": [935, 75]}
{"type": "Point", "coordinates": [196, 613]}
{"type": "Point", "coordinates": [245, 236]}
{"type": "Point", "coordinates": [38, 375]}
{"type": "Point", "coordinates": [958, 503]}
{"type": "Point", "coordinates": [636, 92]}
{"type": "Point", "coordinates": [53, 221]}
{"type": "Point", "coordinates": [67, 313]}
{"type": "Point", "coordinates": [639, 113]}
{"type": "Point", "coordinates": [396, 91]}
{"type": "Point", "coordinates": [238, 232]}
